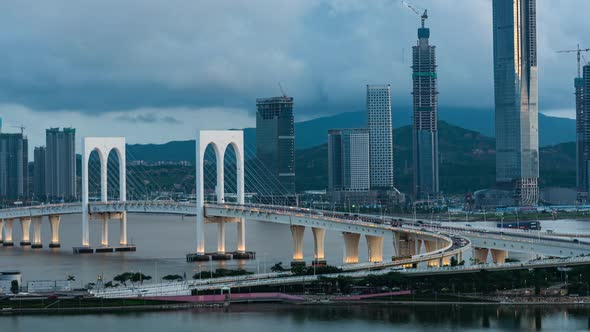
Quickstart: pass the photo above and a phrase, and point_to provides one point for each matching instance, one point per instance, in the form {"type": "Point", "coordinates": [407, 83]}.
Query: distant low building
{"type": "Point", "coordinates": [489, 199]}
{"type": "Point", "coordinates": [558, 196]}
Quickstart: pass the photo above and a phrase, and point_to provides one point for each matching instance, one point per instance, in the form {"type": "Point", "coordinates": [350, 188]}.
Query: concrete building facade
{"type": "Point", "coordinates": [582, 85]}
{"type": "Point", "coordinates": [379, 123]}
{"type": "Point", "coordinates": [425, 117]}
{"type": "Point", "coordinates": [516, 96]}
{"type": "Point", "coordinates": [60, 163]}
{"type": "Point", "coordinates": [275, 142]}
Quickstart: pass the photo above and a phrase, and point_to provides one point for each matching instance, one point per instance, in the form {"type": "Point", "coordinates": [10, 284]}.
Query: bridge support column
{"type": "Point", "coordinates": [297, 234]}
{"type": "Point", "coordinates": [241, 235]}
{"type": "Point", "coordinates": [430, 246]}
{"type": "Point", "coordinates": [481, 255]}
{"type": "Point", "coordinates": [499, 256]}
{"type": "Point", "coordinates": [412, 246]}
{"type": "Point", "coordinates": [54, 221]}
{"type": "Point", "coordinates": [8, 233]}
{"type": "Point", "coordinates": [318, 240]}
{"type": "Point", "coordinates": [104, 235]}
{"type": "Point", "coordinates": [1, 231]}
{"type": "Point", "coordinates": [221, 237]}
{"type": "Point", "coordinates": [37, 233]}
{"type": "Point", "coordinates": [375, 247]}
{"type": "Point", "coordinates": [351, 246]}
{"type": "Point", "coordinates": [123, 229]}
{"type": "Point", "coordinates": [396, 245]}
{"type": "Point", "coordinates": [25, 225]}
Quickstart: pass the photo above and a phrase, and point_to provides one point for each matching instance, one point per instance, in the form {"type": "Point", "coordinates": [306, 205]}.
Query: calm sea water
{"type": "Point", "coordinates": [286, 318]}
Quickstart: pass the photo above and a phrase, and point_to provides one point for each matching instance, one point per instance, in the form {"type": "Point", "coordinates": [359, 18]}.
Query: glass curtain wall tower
{"type": "Point", "coordinates": [425, 134]}
{"type": "Point", "coordinates": [516, 96]}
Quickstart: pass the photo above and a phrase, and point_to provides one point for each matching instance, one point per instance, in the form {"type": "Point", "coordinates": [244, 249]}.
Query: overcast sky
{"type": "Point", "coordinates": [155, 71]}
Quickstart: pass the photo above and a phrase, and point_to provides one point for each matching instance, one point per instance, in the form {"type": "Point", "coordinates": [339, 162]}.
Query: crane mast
{"type": "Point", "coordinates": [578, 51]}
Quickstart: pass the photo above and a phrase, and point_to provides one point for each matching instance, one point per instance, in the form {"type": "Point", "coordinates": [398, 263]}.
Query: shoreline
{"type": "Point", "coordinates": [221, 306]}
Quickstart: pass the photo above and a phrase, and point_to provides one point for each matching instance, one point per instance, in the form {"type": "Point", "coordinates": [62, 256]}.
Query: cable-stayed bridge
{"type": "Point", "coordinates": [225, 169]}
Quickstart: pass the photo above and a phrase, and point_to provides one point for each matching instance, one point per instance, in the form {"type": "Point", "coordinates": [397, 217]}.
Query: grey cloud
{"type": "Point", "coordinates": [100, 56]}
{"type": "Point", "coordinates": [149, 118]}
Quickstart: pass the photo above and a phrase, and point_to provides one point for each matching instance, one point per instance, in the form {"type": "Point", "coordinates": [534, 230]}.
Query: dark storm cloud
{"type": "Point", "coordinates": [99, 56]}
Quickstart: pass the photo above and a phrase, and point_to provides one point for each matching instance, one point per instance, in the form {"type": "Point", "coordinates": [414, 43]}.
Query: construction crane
{"type": "Point", "coordinates": [423, 16]}
{"type": "Point", "coordinates": [282, 91]}
{"type": "Point", "coordinates": [21, 127]}
{"type": "Point", "coordinates": [579, 53]}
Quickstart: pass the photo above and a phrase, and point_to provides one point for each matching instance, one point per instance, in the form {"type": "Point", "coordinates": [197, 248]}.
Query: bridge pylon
{"type": "Point", "coordinates": [220, 141]}
{"type": "Point", "coordinates": [103, 146]}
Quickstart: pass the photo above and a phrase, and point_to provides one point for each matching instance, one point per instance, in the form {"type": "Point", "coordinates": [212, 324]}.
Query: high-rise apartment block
{"type": "Point", "coordinates": [275, 142]}
{"type": "Point", "coordinates": [60, 163]}
{"type": "Point", "coordinates": [516, 96]}
{"type": "Point", "coordinates": [424, 130]}
{"type": "Point", "coordinates": [380, 128]}
{"type": "Point", "coordinates": [348, 159]}
{"type": "Point", "coordinates": [14, 160]}
{"type": "Point", "coordinates": [39, 172]}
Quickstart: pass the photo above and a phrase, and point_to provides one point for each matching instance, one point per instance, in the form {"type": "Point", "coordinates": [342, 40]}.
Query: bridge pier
{"type": "Point", "coordinates": [37, 222]}
{"type": "Point", "coordinates": [8, 233]}
{"type": "Point", "coordinates": [375, 247]}
{"type": "Point", "coordinates": [221, 237]}
{"type": "Point", "coordinates": [123, 229]}
{"type": "Point", "coordinates": [54, 221]}
{"type": "Point", "coordinates": [481, 255]}
{"type": "Point", "coordinates": [499, 256]}
{"type": "Point", "coordinates": [318, 240]}
{"type": "Point", "coordinates": [104, 235]}
{"type": "Point", "coordinates": [297, 234]}
{"type": "Point", "coordinates": [430, 246]}
{"type": "Point", "coordinates": [412, 246]}
{"type": "Point", "coordinates": [351, 247]}
{"type": "Point", "coordinates": [25, 225]}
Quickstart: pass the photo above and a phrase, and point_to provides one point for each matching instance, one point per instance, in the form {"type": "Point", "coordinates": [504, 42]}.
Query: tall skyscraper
{"type": "Point", "coordinates": [582, 85]}
{"type": "Point", "coordinates": [348, 159]}
{"type": "Point", "coordinates": [380, 136]}
{"type": "Point", "coordinates": [425, 133]}
{"type": "Point", "coordinates": [516, 95]}
{"type": "Point", "coordinates": [39, 173]}
{"type": "Point", "coordinates": [275, 142]}
{"type": "Point", "coordinates": [14, 162]}
{"type": "Point", "coordinates": [60, 163]}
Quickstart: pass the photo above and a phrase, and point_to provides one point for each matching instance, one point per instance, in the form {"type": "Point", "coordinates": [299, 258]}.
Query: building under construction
{"type": "Point", "coordinates": [582, 85]}
{"type": "Point", "coordinates": [425, 97]}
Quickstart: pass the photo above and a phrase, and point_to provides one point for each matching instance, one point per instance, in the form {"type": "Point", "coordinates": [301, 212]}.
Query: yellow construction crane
{"type": "Point", "coordinates": [579, 53]}
{"type": "Point", "coordinates": [423, 16]}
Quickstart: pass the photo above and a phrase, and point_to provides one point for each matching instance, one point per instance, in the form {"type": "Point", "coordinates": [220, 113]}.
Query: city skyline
{"type": "Point", "coordinates": [139, 115]}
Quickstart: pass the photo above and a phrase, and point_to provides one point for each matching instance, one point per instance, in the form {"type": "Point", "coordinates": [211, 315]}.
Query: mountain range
{"type": "Point", "coordinates": [467, 159]}
{"type": "Point", "coordinates": [312, 133]}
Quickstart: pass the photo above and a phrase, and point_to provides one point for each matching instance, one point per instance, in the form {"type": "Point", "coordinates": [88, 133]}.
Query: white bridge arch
{"type": "Point", "coordinates": [220, 140]}
{"type": "Point", "coordinates": [103, 147]}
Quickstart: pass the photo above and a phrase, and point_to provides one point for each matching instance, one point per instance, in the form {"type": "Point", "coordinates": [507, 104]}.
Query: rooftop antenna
{"type": "Point", "coordinates": [579, 53]}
